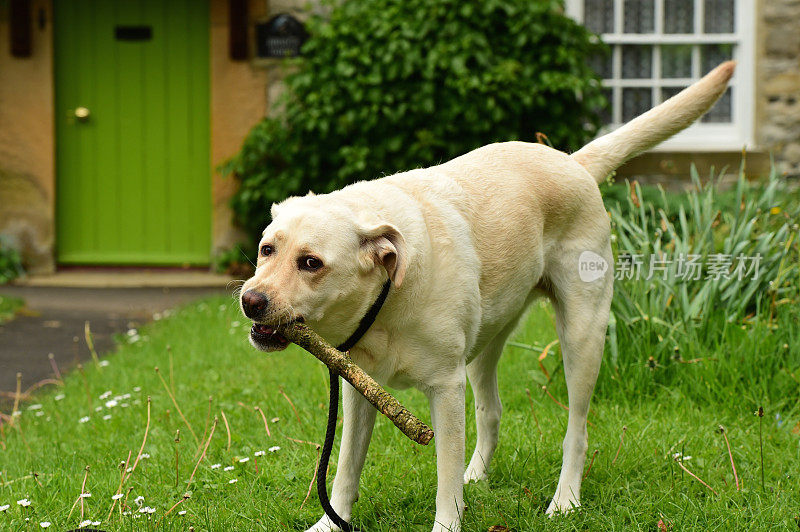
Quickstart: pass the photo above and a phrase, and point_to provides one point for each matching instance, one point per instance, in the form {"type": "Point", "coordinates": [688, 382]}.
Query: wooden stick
{"type": "Point", "coordinates": [341, 363]}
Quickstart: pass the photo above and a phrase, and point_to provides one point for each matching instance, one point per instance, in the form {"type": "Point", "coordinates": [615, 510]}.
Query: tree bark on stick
{"type": "Point", "coordinates": [341, 363]}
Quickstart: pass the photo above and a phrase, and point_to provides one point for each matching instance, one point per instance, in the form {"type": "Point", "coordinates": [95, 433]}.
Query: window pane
{"type": "Point", "coordinates": [601, 63]}
{"type": "Point", "coordinates": [718, 16]}
{"type": "Point", "coordinates": [676, 61]}
{"type": "Point", "coordinates": [635, 102]}
{"type": "Point", "coordinates": [678, 16]}
{"type": "Point", "coordinates": [639, 16]}
{"type": "Point", "coordinates": [606, 116]}
{"type": "Point", "coordinates": [721, 112]}
{"type": "Point", "coordinates": [637, 61]}
{"type": "Point", "coordinates": [712, 55]}
{"type": "Point", "coordinates": [669, 92]}
{"type": "Point", "coordinates": [599, 15]}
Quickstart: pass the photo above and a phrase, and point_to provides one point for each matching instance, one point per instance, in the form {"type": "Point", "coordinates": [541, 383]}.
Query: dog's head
{"type": "Point", "coordinates": [318, 263]}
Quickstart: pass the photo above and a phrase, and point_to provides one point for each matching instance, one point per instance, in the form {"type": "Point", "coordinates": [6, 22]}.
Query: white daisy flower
{"type": "Point", "coordinates": [24, 502]}
{"type": "Point", "coordinates": [84, 419]}
{"type": "Point", "coordinates": [95, 523]}
{"type": "Point", "coordinates": [105, 395]}
{"type": "Point", "coordinates": [132, 332]}
{"type": "Point", "coordinates": [35, 407]}
{"type": "Point", "coordinates": [275, 419]}
{"type": "Point", "coordinates": [260, 453]}
{"type": "Point", "coordinates": [243, 460]}
{"type": "Point", "coordinates": [104, 363]}
{"type": "Point", "coordinates": [273, 449]}
{"type": "Point", "coordinates": [107, 417]}
{"type": "Point", "coordinates": [116, 497]}
{"type": "Point", "coordinates": [5, 507]}
{"type": "Point", "coordinates": [39, 413]}
{"type": "Point", "coordinates": [112, 403]}
{"type": "Point", "coordinates": [85, 495]}
{"type": "Point", "coordinates": [44, 524]}
{"type": "Point", "coordinates": [139, 500]}
{"type": "Point", "coordinates": [233, 481]}
{"type": "Point", "coordinates": [228, 468]}
{"type": "Point", "coordinates": [87, 522]}
{"type": "Point", "coordinates": [182, 512]}
{"type": "Point", "coordinates": [59, 397]}
{"type": "Point", "coordinates": [145, 455]}
{"type": "Point", "coordinates": [216, 466]}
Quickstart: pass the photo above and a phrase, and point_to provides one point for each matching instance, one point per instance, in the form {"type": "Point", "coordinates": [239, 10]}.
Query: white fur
{"type": "Point", "coordinates": [469, 244]}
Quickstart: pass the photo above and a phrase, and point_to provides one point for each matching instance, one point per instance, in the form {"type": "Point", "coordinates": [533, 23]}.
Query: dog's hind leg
{"type": "Point", "coordinates": [482, 373]}
{"type": "Point", "coordinates": [582, 310]}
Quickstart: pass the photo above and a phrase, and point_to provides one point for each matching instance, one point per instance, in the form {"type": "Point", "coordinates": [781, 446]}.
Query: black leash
{"type": "Point", "coordinates": [333, 411]}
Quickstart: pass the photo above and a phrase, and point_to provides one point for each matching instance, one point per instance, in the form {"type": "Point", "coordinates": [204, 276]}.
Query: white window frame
{"type": "Point", "coordinates": [701, 136]}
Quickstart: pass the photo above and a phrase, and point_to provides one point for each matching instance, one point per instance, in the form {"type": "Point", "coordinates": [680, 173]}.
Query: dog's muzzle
{"type": "Point", "coordinates": [267, 338]}
{"type": "Point", "coordinates": [254, 304]}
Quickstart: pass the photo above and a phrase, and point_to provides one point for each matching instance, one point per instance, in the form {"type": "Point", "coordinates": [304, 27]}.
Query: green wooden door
{"type": "Point", "coordinates": [134, 184]}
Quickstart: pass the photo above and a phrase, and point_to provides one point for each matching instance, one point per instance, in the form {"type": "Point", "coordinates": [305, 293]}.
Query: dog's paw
{"type": "Point", "coordinates": [452, 527]}
{"type": "Point", "coordinates": [565, 506]}
{"type": "Point", "coordinates": [324, 525]}
{"type": "Point", "coordinates": [475, 474]}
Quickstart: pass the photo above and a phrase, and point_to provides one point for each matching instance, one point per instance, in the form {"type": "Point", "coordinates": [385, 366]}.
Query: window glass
{"type": "Point", "coordinates": [678, 16]}
{"type": "Point", "coordinates": [718, 16]}
{"type": "Point", "coordinates": [639, 16]}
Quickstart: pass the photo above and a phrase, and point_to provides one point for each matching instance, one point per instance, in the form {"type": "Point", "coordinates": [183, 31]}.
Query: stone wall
{"type": "Point", "coordinates": [27, 162]}
{"type": "Point", "coordinates": [778, 83]}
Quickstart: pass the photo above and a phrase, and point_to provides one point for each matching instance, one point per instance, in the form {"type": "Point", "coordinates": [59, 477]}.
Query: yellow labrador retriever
{"type": "Point", "coordinates": [468, 245]}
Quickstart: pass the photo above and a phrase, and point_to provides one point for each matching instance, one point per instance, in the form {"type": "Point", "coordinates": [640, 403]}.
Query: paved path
{"type": "Point", "coordinates": [53, 322]}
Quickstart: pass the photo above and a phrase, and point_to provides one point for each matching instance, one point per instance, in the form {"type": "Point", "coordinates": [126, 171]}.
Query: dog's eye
{"type": "Point", "coordinates": [266, 250]}
{"type": "Point", "coordinates": [310, 264]}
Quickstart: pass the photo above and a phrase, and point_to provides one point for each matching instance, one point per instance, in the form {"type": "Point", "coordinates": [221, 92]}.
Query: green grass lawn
{"type": "Point", "coordinates": [97, 421]}
{"type": "Point", "coordinates": [9, 307]}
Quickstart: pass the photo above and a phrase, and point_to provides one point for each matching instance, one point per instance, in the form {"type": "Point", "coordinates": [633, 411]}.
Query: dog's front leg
{"type": "Point", "coordinates": [447, 417]}
{"type": "Point", "coordinates": [359, 418]}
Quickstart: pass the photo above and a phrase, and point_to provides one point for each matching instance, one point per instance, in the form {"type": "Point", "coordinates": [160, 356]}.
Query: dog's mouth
{"type": "Point", "coordinates": [267, 338]}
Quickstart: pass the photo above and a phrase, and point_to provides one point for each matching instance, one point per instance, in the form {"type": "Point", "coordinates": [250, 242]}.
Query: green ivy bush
{"type": "Point", "coordinates": [10, 262]}
{"type": "Point", "coordinates": [389, 85]}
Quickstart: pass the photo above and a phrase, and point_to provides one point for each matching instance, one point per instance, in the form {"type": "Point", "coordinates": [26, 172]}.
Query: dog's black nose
{"type": "Point", "coordinates": [254, 304]}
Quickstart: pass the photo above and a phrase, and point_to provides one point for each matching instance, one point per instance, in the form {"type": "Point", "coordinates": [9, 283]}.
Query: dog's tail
{"type": "Point", "coordinates": [601, 156]}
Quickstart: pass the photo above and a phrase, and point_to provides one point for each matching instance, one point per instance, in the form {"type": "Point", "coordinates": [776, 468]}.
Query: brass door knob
{"type": "Point", "coordinates": [82, 114]}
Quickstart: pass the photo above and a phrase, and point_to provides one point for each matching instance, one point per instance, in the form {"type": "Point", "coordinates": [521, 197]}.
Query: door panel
{"type": "Point", "coordinates": [134, 183]}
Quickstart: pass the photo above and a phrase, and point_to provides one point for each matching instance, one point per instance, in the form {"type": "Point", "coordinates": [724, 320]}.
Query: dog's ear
{"type": "Point", "coordinates": [384, 245]}
{"type": "Point", "coordinates": [274, 209]}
